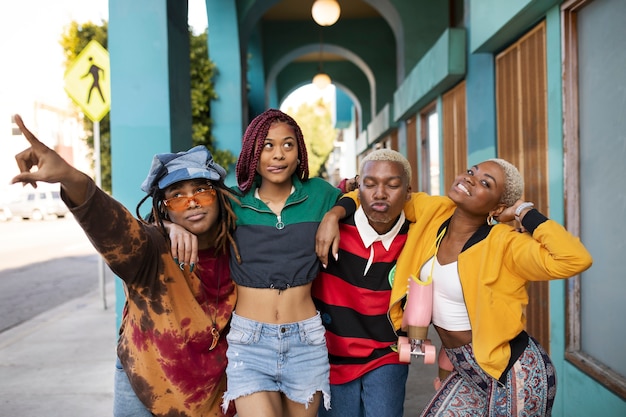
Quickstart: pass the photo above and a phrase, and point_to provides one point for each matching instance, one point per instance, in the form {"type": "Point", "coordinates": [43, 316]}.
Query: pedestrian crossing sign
{"type": "Point", "coordinates": [88, 81]}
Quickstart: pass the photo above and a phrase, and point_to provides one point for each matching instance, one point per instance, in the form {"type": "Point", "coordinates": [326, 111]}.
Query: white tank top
{"type": "Point", "coordinates": [449, 311]}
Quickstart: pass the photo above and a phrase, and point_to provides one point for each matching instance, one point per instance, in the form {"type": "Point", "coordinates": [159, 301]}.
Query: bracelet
{"type": "Point", "coordinates": [521, 208]}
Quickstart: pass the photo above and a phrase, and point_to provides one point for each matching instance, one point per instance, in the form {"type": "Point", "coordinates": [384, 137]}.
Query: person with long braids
{"type": "Point", "coordinates": [277, 357]}
{"type": "Point", "coordinates": [480, 268]}
{"type": "Point", "coordinates": [172, 345]}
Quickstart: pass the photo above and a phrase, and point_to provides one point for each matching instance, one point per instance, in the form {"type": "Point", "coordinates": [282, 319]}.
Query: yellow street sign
{"type": "Point", "coordinates": [88, 81]}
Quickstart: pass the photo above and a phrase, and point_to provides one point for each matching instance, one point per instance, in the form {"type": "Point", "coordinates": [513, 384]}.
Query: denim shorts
{"type": "Point", "coordinates": [290, 358]}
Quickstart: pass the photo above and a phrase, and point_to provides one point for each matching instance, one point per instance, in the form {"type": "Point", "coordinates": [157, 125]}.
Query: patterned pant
{"type": "Point", "coordinates": [469, 391]}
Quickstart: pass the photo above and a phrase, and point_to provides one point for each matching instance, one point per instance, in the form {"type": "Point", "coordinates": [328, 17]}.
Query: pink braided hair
{"type": "Point", "coordinates": [250, 153]}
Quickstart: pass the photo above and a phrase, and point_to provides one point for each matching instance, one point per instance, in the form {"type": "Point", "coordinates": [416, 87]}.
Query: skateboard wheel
{"type": "Point", "coordinates": [404, 350]}
{"type": "Point", "coordinates": [402, 340]}
{"type": "Point", "coordinates": [430, 353]}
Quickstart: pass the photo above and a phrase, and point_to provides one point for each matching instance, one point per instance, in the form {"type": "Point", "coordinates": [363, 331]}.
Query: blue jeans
{"type": "Point", "coordinates": [125, 401]}
{"type": "Point", "coordinates": [379, 392]}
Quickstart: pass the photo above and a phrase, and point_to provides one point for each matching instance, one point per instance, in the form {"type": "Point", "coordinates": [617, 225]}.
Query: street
{"type": "Point", "coordinates": [42, 265]}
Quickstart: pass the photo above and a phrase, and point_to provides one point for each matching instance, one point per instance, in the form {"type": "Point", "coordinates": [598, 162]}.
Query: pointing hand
{"type": "Point", "coordinates": [50, 167]}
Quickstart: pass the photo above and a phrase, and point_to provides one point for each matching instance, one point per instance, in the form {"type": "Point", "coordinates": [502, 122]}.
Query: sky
{"type": "Point", "coordinates": [32, 58]}
{"type": "Point", "coordinates": [32, 66]}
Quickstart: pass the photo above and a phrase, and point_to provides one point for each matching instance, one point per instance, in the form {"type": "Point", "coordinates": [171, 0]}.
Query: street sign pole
{"type": "Point", "coordinates": [98, 169]}
{"type": "Point", "coordinates": [87, 82]}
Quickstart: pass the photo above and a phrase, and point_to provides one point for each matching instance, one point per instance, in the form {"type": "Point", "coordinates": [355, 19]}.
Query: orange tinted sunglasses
{"type": "Point", "coordinates": [202, 198]}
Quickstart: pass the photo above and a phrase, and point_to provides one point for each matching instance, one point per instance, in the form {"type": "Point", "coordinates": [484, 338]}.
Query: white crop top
{"type": "Point", "coordinates": [449, 311]}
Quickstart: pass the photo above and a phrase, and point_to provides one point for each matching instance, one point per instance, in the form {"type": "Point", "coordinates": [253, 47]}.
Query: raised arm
{"type": "Point", "coordinates": [547, 251]}
{"type": "Point", "coordinates": [124, 242]}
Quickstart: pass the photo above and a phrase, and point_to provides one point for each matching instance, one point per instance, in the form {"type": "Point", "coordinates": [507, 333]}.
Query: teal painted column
{"type": "Point", "coordinates": [146, 40]}
{"type": "Point", "coordinates": [480, 90]}
{"type": "Point", "coordinates": [481, 108]}
{"type": "Point", "coordinates": [225, 52]}
{"type": "Point", "coordinates": [256, 76]}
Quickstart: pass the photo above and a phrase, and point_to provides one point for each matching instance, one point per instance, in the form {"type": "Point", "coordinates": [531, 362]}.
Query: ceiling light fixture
{"type": "Point", "coordinates": [321, 80]}
{"type": "Point", "coordinates": [325, 12]}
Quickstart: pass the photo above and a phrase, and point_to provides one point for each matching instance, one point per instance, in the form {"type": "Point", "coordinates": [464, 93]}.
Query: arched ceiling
{"type": "Point", "coordinates": [366, 53]}
{"type": "Point", "coordinates": [320, 47]}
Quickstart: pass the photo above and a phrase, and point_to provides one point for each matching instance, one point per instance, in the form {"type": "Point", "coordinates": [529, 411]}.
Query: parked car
{"type": "Point", "coordinates": [36, 205]}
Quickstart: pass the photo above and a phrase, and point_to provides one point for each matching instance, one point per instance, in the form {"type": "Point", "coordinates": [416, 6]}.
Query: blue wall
{"type": "Point", "coordinates": [141, 94]}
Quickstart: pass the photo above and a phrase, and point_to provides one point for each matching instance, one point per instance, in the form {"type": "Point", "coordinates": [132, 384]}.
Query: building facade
{"type": "Point", "coordinates": [541, 83]}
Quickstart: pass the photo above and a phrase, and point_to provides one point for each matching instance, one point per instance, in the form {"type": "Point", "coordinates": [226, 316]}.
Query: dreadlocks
{"type": "Point", "coordinates": [251, 152]}
{"type": "Point", "coordinates": [225, 222]}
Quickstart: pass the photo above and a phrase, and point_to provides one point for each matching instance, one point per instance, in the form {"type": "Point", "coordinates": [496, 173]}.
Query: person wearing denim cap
{"type": "Point", "coordinates": [172, 344]}
{"type": "Point", "coordinates": [168, 168]}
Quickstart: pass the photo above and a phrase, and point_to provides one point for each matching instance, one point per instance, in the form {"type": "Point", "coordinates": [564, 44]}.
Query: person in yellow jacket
{"type": "Point", "coordinates": [480, 271]}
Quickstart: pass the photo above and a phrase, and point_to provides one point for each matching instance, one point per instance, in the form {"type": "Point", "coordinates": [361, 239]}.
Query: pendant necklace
{"type": "Point", "coordinates": [214, 329]}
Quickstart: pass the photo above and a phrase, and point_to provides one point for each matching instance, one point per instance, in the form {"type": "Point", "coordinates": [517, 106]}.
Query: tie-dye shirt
{"type": "Point", "coordinates": [166, 326]}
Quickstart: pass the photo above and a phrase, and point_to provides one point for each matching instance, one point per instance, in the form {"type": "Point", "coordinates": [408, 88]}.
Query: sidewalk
{"type": "Point", "coordinates": [61, 363]}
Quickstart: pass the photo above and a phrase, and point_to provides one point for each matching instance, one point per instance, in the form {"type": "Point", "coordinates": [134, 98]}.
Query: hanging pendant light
{"type": "Point", "coordinates": [325, 12]}
{"type": "Point", "coordinates": [321, 80]}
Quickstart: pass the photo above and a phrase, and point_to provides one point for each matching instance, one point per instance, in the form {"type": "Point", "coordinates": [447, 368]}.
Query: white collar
{"type": "Point", "coordinates": [369, 235]}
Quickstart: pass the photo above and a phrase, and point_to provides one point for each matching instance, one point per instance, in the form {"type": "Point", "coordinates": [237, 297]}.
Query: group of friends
{"type": "Point", "coordinates": [284, 296]}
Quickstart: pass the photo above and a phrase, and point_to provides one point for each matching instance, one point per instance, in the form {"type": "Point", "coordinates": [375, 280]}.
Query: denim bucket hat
{"type": "Point", "coordinates": [168, 168]}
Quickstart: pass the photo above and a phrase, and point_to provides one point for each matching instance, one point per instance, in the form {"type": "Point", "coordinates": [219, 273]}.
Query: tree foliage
{"type": "Point", "coordinates": [75, 38]}
{"type": "Point", "coordinates": [319, 134]}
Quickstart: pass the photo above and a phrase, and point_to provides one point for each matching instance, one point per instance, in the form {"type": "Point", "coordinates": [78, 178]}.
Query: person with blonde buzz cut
{"type": "Point", "coordinates": [353, 291]}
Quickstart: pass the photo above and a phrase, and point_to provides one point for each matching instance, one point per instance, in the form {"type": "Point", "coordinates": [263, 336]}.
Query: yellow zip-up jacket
{"type": "Point", "coordinates": [495, 267]}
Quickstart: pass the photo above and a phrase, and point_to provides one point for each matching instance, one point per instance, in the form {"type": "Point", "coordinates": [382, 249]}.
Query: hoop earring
{"type": "Point", "coordinates": [298, 161]}
{"type": "Point", "coordinates": [490, 220]}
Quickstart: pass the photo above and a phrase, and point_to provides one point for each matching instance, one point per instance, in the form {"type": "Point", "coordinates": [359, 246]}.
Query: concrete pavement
{"type": "Point", "coordinates": [61, 363]}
